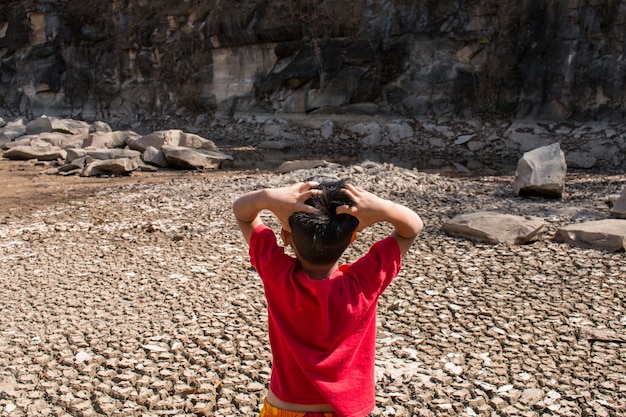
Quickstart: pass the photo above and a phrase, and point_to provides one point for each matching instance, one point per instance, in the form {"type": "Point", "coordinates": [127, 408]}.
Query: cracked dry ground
{"type": "Point", "coordinates": [134, 297]}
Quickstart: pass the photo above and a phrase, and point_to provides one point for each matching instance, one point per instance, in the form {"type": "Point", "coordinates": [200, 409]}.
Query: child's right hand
{"type": "Point", "coordinates": [368, 207]}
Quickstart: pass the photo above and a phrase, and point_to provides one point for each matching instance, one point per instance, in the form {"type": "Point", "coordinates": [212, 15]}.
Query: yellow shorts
{"type": "Point", "coordinates": [269, 410]}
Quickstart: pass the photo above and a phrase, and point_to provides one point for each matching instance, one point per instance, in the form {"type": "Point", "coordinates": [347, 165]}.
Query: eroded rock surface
{"type": "Point", "coordinates": [138, 299]}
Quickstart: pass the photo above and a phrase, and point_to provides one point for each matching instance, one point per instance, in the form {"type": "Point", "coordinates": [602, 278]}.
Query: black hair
{"type": "Point", "coordinates": [322, 237]}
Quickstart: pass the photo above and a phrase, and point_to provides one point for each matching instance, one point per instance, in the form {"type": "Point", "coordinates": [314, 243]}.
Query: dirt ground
{"type": "Point", "coordinates": [26, 185]}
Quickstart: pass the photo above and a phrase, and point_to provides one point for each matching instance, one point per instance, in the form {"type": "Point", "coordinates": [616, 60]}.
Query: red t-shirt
{"type": "Point", "coordinates": [323, 332]}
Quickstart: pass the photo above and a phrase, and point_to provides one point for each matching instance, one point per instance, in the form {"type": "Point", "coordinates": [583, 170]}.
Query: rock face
{"type": "Point", "coordinates": [96, 59]}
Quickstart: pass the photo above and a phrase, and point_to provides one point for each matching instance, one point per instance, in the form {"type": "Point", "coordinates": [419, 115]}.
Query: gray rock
{"type": "Point", "coordinates": [69, 126]}
{"type": "Point", "coordinates": [289, 166]}
{"type": "Point", "coordinates": [107, 139]}
{"type": "Point", "coordinates": [62, 140]}
{"type": "Point", "coordinates": [327, 129]}
{"type": "Point", "coordinates": [155, 157]}
{"type": "Point", "coordinates": [13, 130]}
{"type": "Point", "coordinates": [100, 126]}
{"type": "Point", "coordinates": [188, 158]}
{"type": "Point", "coordinates": [399, 132]}
{"type": "Point", "coordinates": [608, 235]}
{"type": "Point", "coordinates": [41, 153]}
{"type": "Point", "coordinates": [120, 166]}
{"type": "Point", "coordinates": [541, 172]}
{"type": "Point", "coordinates": [583, 160]}
{"type": "Point", "coordinates": [40, 125]}
{"type": "Point", "coordinates": [492, 227]}
{"type": "Point", "coordinates": [173, 137]}
{"type": "Point", "coordinates": [619, 205]}
{"type": "Point", "coordinates": [102, 154]}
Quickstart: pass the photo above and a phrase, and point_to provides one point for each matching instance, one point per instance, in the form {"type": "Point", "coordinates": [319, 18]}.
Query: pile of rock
{"type": "Point", "coordinates": [79, 148]}
{"type": "Point", "coordinates": [542, 172]}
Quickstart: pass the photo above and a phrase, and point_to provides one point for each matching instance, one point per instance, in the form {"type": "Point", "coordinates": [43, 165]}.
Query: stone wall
{"type": "Point", "coordinates": [525, 58]}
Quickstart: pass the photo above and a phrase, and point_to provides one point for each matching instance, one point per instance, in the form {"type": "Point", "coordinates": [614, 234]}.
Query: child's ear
{"type": "Point", "coordinates": [354, 236]}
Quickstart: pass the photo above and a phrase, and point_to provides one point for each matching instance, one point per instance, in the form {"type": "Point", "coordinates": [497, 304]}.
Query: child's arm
{"type": "Point", "coordinates": [371, 209]}
{"type": "Point", "coordinates": [280, 201]}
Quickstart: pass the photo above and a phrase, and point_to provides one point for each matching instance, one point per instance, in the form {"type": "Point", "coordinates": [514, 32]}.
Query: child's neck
{"type": "Point", "coordinates": [318, 272]}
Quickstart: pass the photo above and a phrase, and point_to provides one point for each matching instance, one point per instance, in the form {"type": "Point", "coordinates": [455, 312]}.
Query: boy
{"type": "Point", "coordinates": [322, 315]}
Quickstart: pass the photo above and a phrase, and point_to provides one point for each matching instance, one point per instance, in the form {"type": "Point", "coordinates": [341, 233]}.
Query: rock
{"type": "Point", "coordinates": [171, 137]}
{"type": "Point", "coordinates": [75, 166]}
{"type": "Point", "coordinates": [102, 154]}
{"type": "Point", "coordinates": [190, 140]}
{"type": "Point", "coordinates": [41, 153]}
{"type": "Point", "coordinates": [289, 166]}
{"type": "Point", "coordinates": [619, 205]}
{"type": "Point", "coordinates": [463, 139]}
{"type": "Point", "coordinates": [39, 125]}
{"type": "Point", "coordinates": [13, 130]}
{"type": "Point", "coordinates": [399, 132]}
{"type": "Point", "coordinates": [62, 140]}
{"type": "Point", "coordinates": [120, 166]}
{"type": "Point", "coordinates": [69, 126]}
{"type": "Point", "coordinates": [370, 132]}
{"type": "Point", "coordinates": [327, 129]}
{"type": "Point", "coordinates": [492, 227]}
{"type": "Point", "coordinates": [187, 158]}
{"type": "Point", "coordinates": [154, 157]}
{"type": "Point", "coordinates": [108, 139]}
{"type": "Point", "coordinates": [608, 235]}
{"type": "Point", "coordinates": [541, 172]}
{"type": "Point", "coordinates": [100, 126]}
{"type": "Point", "coordinates": [583, 160]}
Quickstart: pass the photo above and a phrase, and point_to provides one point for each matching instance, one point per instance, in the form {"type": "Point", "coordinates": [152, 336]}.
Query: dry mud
{"type": "Point", "coordinates": [134, 297]}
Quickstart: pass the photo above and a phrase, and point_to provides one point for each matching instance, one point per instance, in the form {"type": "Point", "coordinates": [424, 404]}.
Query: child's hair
{"type": "Point", "coordinates": [322, 237]}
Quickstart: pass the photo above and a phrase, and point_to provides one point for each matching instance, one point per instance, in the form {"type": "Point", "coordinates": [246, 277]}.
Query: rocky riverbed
{"type": "Point", "coordinates": [134, 297]}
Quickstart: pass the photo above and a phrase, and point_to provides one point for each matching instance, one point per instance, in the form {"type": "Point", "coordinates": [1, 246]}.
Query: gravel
{"type": "Point", "coordinates": [138, 300]}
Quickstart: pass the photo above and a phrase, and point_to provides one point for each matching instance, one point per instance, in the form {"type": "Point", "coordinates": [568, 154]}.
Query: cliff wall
{"type": "Point", "coordinates": [555, 59]}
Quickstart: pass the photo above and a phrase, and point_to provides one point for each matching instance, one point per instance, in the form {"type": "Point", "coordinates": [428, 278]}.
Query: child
{"type": "Point", "coordinates": [322, 315]}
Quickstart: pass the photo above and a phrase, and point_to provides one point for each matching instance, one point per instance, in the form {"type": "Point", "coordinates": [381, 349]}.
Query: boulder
{"type": "Point", "coordinates": [101, 154]}
{"type": "Point", "coordinates": [188, 158]}
{"type": "Point", "coordinates": [39, 125]}
{"type": "Point", "coordinates": [155, 157]}
{"type": "Point", "coordinates": [608, 235]}
{"type": "Point", "coordinates": [120, 166]}
{"type": "Point", "coordinates": [582, 160]}
{"type": "Point", "coordinates": [13, 130]}
{"type": "Point", "coordinates": [190, 140]}
{"type": "Point", "coordinates": [62, 140]}
{"type": "Point", "coordinates": [155, 139]}
{"type": "Point", "coordinates": [172, 137]}
{"type": "Point", "coordinates": [289, 166]}
{"type": "Point", "coordinates": [115, 139]}
{"type": "Point", "coordinates": [46, 124]}
{"type": "Point", "coordinates": [541, 172]}
{"type": "Point", "coordinates": [100, 126]}
{"type": "Point", "coordinates": [41, 153]}
{"type": "Point", "coordinates": [69, 126]}
{"type": "Point", "coordinates": [492, 227]}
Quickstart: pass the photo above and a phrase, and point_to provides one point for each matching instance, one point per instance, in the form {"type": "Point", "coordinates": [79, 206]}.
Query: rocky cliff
{"type": "Point", "coordinates": [526, 58]}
